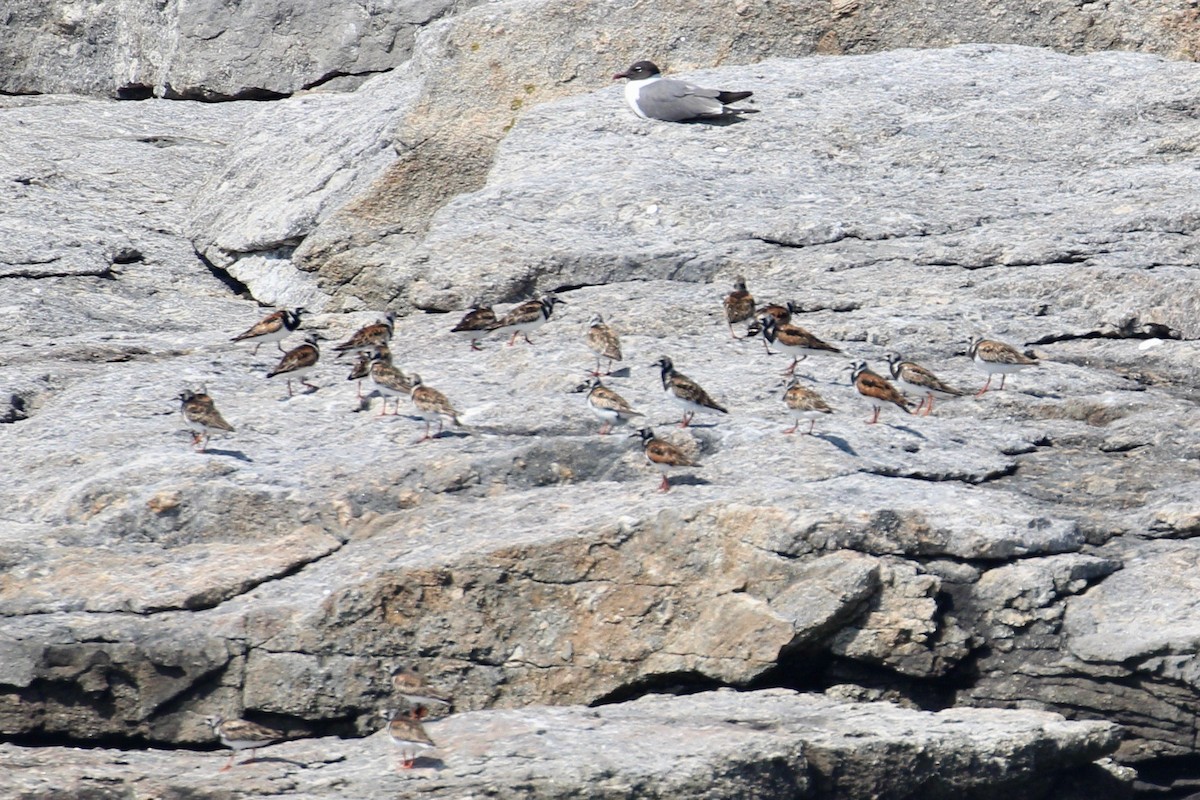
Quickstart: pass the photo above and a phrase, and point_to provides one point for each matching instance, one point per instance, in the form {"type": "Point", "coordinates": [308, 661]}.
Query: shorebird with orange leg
{"type": "Point", "coordinates": [804, 403]}
{"type": "Point", "coordinates": [663, 456]}
{"type": "Point", "coordinates": [876, 390]}
{"type": "Point", "coordinates": [685, 392]}
{"type": "Point", "coordinates": [916, 378]}
{"type": "Point", "coordinates": [239, 734]}
{"type": "Point", "coordinates": [297, 362]}
{"type": "Point", "coordinates": [997, 358]}
{"type": "Point", "coordinates": [792, 339]}
{"type": "Point", "coordinates": [604, 342]}
{"type": "Point", "coordinates": [408, 734]}
{"type": "Point", "coordinates": [410, 684]}
{"type": "Point", "coordinates": [609, 406]}
{"type": "Point", "coordinates": [475, 324]}
{"type": "Point", "coordinates": [202, 417]}
{"type": "Point", "coordinates": [527, 317]}
{"type": "Point", "coordinates": [432, 405]}
{"type": "Point", "coordinates": [388, 379]}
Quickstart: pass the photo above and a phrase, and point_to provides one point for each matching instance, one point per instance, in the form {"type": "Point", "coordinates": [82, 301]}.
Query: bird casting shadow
{"type": "Point", "coordinates": [273, 760]}
{"type": "Point", "coordinates": [906, 429]}
{"type": "Point", "coordinates": [238, 454]}
{"type": "Point", "coordinates": [689, 480]}
{"type": "Point", "coordinates": [458, 434]}
{"type": "Point", "coordinates": [838, 442]}
{"type": "Point", "coordinates": [1038, 394]}
{"type": "Point", "coordinates": [422, 762]}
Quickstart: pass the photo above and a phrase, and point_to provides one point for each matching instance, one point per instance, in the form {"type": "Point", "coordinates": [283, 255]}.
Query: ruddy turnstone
{"type": "Point", "coordinates": [739, 304]}
{"type": "Point", "coordinates": [877, 390]}
{"type": "Point", "coordinates": [804, 403]}
{"type": "Point", "coordinates": [475, 325]}
{"type": "Point", "coordinates": [388, 379]}
{"type": "Point", "coordinates": [202, 417]}
{"type": "Point", "coordinates": [361, 369]}
{"type": "Point", "coordinates": [663, 456]}
{"type": "Point", "coordinates": [792, 339]}
{"type": "Point", "coordinates": [781, 313]}
{"type": "Point", "coordinates": [912, 376]}
{"type": "Point", "coordinates": [651, 96]}
{"type": "Point", "coordinates": [604, 342]}
{"type": "Point", "coordinates": [685, 392]}
{"type": "Point", "coordinates": [272, 328]}
{"type": "Point", "coordinates": [408, 734]}
{"type": "Point", "coordinates": [238, 734]}
{"type": "Point", "coordinates": [412, 686]}
{"type": "Point", "coordinates": [997, 358]}
{"type": "Point", "coordinates": [432, 405]}
{"type": "Point", "coordinates": [297, 362]}
{"type": "Point", "coordinates": [368, 337]}
{"type": "Point", "coordinates": [529, 316]}
{"type": "Point", "coordinates": [608, 405]}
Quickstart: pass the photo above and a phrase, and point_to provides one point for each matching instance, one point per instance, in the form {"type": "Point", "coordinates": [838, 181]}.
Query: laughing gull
{"type": "Point", "coordinates": [651, 96]}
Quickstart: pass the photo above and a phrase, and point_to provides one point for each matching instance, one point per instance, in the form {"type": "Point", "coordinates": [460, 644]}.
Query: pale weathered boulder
{"type": "Point", "coordinates": [522, 558]}
{"type": "Point", "coordinates": [772, 744]}
{"type": "Point", "coordinates": [203, 50]}
{"type": "Point", "coordinates": [480, 73]}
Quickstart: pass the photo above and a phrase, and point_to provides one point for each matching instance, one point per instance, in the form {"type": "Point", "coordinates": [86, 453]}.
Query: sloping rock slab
{"type": "Point", "coordinates": [770, 744]}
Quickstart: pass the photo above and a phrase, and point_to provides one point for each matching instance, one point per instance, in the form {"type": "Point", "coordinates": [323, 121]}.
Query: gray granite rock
{"type": "Point", "coordinates": [998, 551]}
{"type": "Point", "coordinates": [204, 50]}
{"type": "Point", "coordinates": [772, 744]}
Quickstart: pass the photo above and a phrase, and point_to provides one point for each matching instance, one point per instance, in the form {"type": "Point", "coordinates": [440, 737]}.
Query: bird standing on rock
{"type": "Point", "coordinates": [792, 339]}
{"type": "Point", "coordinates": [604, 342]}
{"type": "Point", "coordinates": [684, 391]}
{"type": "Point", "coordinates": [388, 379]}
{"type": "Point", "coordinates": [529, 316]}
{"type": "Point", "coordinates": [201, 414]}
{"type": "Point", "coordinates": [475, 324]}
{"type": "Point", "coordinates": [877, 390]}
{"type": "Point", "coordinates": [608, 405]}
{"type": "Point", "coordinates": [914, 377]}
{"type": "Point", "coordinates": [412, 686]}
{"type": "Point", "coordinates": [739, 304]}
{"type": "Point", "coordinates": [297, 362]}
{"type": "Point", "coordinates": [272, 328]}
{"type": "Point", "coordinates": [368, 337]}
{"type": "Point", "coordinates": [432, 405]}
{"type": "Point", "coordinates": [239, 734]}
{"type": "Point", "coordinates": [663, 456]}
{"type": "Point", "coordinates": [408, 734]}
{"type": "Point", "coordinates": [997, 358]}
{"type": "Point", "coordinates": [804, 403]}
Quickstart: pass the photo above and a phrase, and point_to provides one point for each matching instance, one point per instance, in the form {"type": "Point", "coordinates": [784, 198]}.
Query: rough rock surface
{"type": "Point", "coordinates": [1019, 549]}
{"type": "Point", "coordinates": [204, 50]}
{"type": "Point", "coordinates": [212, 50]}
{"type": "Point", "coordinates": [771, 744]}
{"type": "Point", "coordinates": [481, 70]}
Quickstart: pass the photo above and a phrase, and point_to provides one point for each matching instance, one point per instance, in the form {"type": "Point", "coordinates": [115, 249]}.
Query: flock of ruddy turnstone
{"type": "Point", "coordinates": [418, 700]}
{"type": "Point", "coordinates": [772, 322]}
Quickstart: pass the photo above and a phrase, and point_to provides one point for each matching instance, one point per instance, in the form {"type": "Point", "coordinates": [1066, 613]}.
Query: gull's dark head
{"type": "Point", "coordinates": [639, 71]}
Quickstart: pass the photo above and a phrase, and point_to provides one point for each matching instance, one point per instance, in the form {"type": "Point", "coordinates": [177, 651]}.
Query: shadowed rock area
{"type": "Point", "coordinates": [1022, 552]}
